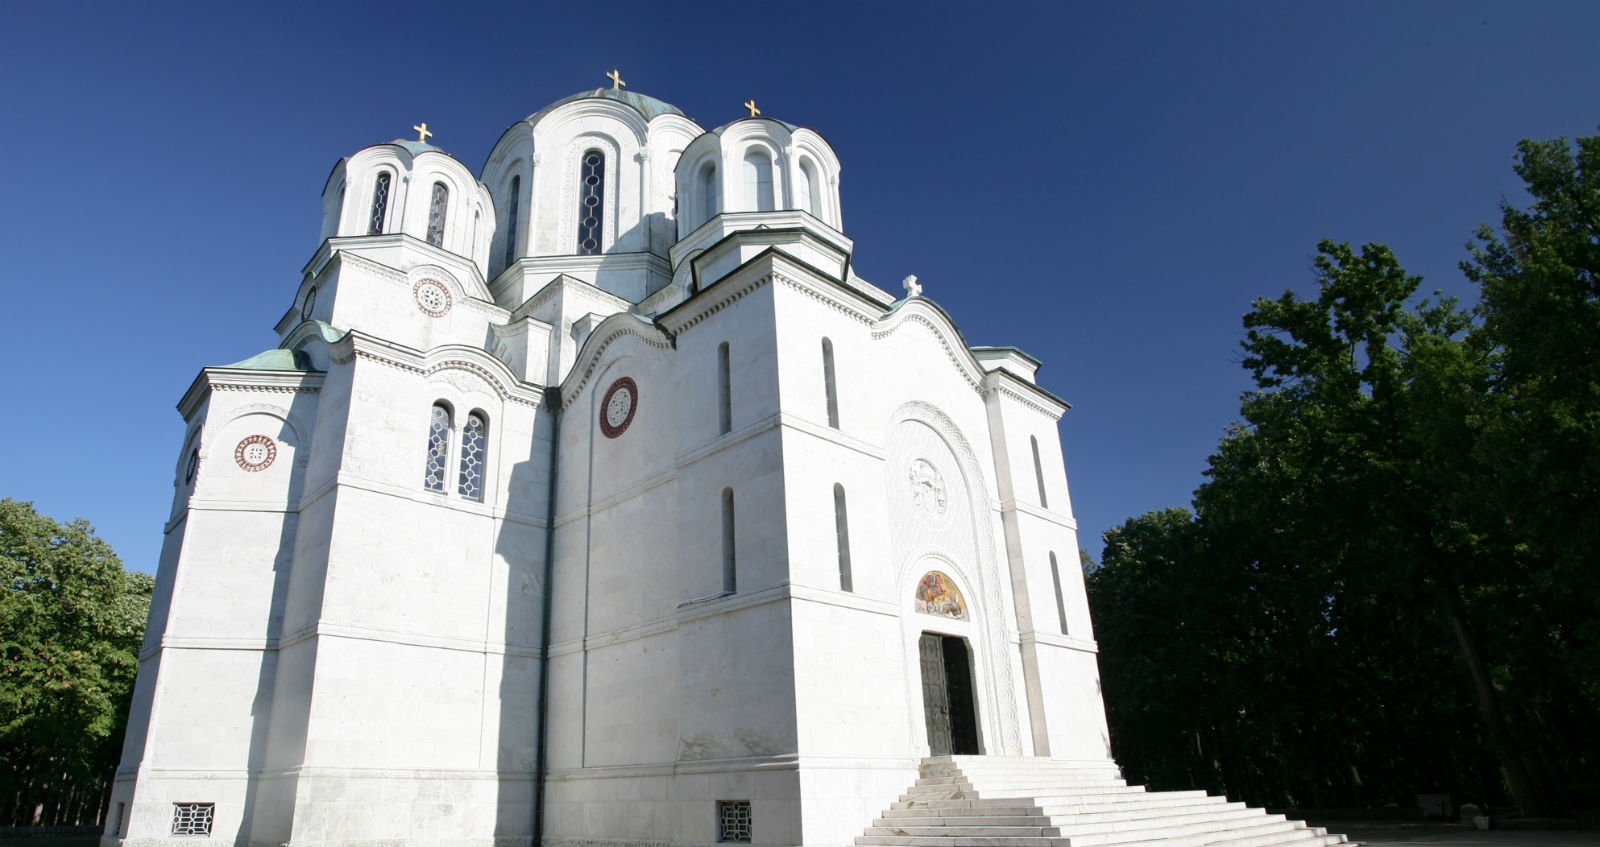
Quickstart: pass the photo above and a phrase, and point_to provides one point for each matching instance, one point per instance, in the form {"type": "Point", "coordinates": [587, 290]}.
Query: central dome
{"type": "Point", "coordinates": [648, 106]}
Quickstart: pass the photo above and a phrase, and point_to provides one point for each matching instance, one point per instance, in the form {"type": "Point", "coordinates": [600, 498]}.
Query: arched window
{"type": "Point", "coordinates": [473, 434]}
{"type": "Point", "coordinates": [724, 391]}
{"type": "Point", "coordinates": [1038, 473]}
{"type": "Point", "coordinates": [380, 204]}
{"type": "Point", "coordinates": [591, 203]}
{"type": "Point", "coordinates": [841, 531]}
{"type": "Point", "coordinates": [438, 448]}
{"type": "Point", "coordinates": [708, 190]}
{"type": "Point", "coordinates": [1061, 607]}
{"type": "Point", "coordinates": [806, 188]}
{"type": "Point", "coordinates": [758, 181]}
{"type": "Point", "coordinates": [513, 206]}
{"type": "Point", "coordinates": [828, 384]}
{"type": "Point", "coordinates": [436, 209]}
{"type": "Point", "coordinates": [729, 565]}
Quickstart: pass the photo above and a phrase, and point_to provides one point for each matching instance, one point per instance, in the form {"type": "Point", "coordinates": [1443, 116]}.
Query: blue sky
{"type": "Point", "coordinates": [1105, 185]}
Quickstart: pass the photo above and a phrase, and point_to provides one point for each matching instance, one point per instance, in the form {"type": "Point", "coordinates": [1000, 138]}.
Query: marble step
{"type": "Point", "coordinates": [973, 841]}
{"type": "Point", "coordinates": [1074, 826]}
{"type": "Point", "coordinates": [1021, 779]}
{"type": "Point", "coordinates": [1240, 834]}
{"type": "Point", "coordinates": [1148, 805]}
{"type": "Point", "coordinates": [966, 831]}
{"type": "Point", "coordinates": [909, 819]}
{"type": "Point", "coordinates": [1135, 805]}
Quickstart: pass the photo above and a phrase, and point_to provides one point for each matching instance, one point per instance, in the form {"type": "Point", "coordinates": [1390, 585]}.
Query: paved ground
{"type": "Point", "coordinates": [1437, 835]}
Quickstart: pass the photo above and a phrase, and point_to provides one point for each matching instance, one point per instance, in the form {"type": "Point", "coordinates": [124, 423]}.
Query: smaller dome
{"type": "Point", "coordinates": [415, 147]}
{"type": "Point", "coordinates": [791, 127]}
{"type": "Point", "coordinates": [644, 104]}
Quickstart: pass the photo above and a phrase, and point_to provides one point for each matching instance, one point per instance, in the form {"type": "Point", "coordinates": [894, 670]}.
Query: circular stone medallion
{"type": "Point", "coordinates": [616, 410]}
{"type": "Point", "coordinates": [311, 302]}
{"type": "Point", "coordinates": [432, 297]}
{"type": "Point", "coordinates": [255, 453]}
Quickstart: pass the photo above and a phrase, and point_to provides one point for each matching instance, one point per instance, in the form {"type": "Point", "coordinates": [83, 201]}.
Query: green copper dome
{"type": "Point", "coordinates": [644, 104]}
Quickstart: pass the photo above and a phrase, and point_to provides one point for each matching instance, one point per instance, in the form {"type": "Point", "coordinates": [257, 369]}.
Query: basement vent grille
{"type": "Point", "coordinates": [192, 818]}
{"type": "Point", "coordinates": [733, 821]}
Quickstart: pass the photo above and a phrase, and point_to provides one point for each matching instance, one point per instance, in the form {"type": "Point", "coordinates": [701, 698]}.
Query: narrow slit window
{"type": "Point", "coordinates": [758, 181]}
{"type": "Point", "coordinates": [438, 448]}
{"type": "Point", "coordinates": [724, 391]}
{"type": "Point", "coordinates": [829, 385]}
{"type": "Point", "coordinates": [1038, 473]}
{"type": "Point", "coordinates": [380, 204]}
{"type": "Point", "coordinates": [591, 203]}
{"type": "Point", "coordinates": [513, 207]}
{"type": "Point", "coordinates": [806, 188]}
{"type": "Point", "coordinates": [1061, 606]}
{"type": "Point", "coordinates": [708, 190]}
{"type": "Point", "coordinates": [841, 530]}
{"type": "Point", "coordinates": [729, 565]}
{"type": "Point", "coordinates": [437, 206]}
{"type": "Point", "coordinates": [473, 434]}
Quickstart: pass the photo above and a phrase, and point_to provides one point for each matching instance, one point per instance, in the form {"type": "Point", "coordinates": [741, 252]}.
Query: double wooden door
{"type": "Point", "coordinates": [947, 695]}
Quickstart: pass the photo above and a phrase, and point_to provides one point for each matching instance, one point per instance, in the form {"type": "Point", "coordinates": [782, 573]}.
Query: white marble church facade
{"type": "Point", "coordinates": [595, 497]}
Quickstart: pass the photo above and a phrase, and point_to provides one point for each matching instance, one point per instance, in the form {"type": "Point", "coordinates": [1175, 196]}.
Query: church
{"type": "Point", "coordinates": [594, 499]}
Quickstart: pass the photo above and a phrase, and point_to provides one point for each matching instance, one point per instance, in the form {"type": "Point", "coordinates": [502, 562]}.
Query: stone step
{"type": "Point", "coordinates": [967, 806]}
{"type": "Point", "coordinates": [1135, 804]}
{"type": "Point", "coordinates": [966, 831]}
{"type": "Point", "coordinates": [1076, 825]}
{"type": "Point", "coordinates": [1021, 779]}
{"type": "Point", "coordinates": [921, 812]}
{"type": "Point", "coordinates": [936, 841]}
{"type": "Point", "coordinates": [1190, 835]}
{"type": "Point", "coordinates": [910, 819]}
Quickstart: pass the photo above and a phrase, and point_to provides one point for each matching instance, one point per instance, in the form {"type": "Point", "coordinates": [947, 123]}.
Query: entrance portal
{"type": "Point", "coordinates": [947, 696]}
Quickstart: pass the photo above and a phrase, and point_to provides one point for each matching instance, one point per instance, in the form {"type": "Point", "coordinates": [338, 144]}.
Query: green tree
{"type": "Point", "coordinates": [71, 622]}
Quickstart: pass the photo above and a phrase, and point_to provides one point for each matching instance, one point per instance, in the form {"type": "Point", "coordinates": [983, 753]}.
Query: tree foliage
{"type": "Point", "coordinates": [71, 622]}
{"type": "Point", "coordinates": [1388, 584]}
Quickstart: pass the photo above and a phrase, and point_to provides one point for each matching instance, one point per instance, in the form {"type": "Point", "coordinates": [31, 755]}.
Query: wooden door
{"type": "Point", "coordinates": [935, 694]}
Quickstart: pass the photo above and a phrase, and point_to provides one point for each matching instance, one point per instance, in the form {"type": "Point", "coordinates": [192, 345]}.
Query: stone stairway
{"type": "Point", "coordinates": [998, 801]}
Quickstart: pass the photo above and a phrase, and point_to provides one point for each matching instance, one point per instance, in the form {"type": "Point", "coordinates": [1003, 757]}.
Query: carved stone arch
{"type": "Point", "coordinates": [591, 358]}
{"type": "Point", "coordinates": [989, 579]}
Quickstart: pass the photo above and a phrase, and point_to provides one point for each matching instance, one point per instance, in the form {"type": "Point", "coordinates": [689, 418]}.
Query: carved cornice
{"type": "Point", "coordinates": [963, 361]}
{"type": "Point", "coordinates": [997, 388]}
{"type": "Point", "coordinates": [857, 315]}
{"type": "Point", "coordinates": [609, 330]}
{"type": "Point", "coordinates": [717, 305]}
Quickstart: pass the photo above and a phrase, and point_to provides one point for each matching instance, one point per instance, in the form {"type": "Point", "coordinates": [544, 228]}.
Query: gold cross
{"type": "Point", "coordinates": [616, 79]}
{"type": "Point", "coordinates": [422, 132]}
{"type": "Point", "coordinates": [751, 105]}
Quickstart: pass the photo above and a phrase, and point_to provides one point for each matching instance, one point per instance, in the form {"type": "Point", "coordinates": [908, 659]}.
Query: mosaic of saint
{"type": "Point", "coordinates": [938, 596]}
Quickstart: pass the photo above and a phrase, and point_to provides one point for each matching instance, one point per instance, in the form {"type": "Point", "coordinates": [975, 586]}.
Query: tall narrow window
{"type": "Point", "coordinates": [805, 188]}
{"type": "Point", "coordinates": [758, 181]}
{"type": "Point", "coordinates": [472, 441]}
{"type": "Point", "coordinates": [829, 386]}
{"type": "Point", "coordinates": [841, 530]}
{"type": "Point", "coordinates": [437, 206]}
{"type": "Point", "coordinates": [380, 204]}
{"type": "Point", "coordinates": [729, 568]}
{"type": "Point", "coordinates": [591, 203]}
{"type": "Point", "coordinates": [513, 206]}
{"type": "Point", "coordinates": [1061, 606]}
{"type": "Point", "coordinates": [1038, 473]}
{"type": "Point", "coordinates": [438, 448]}
{"type": "Point", "coordinates": [708, 191]}
{"type": "Point", "coordinates": [724, 391]}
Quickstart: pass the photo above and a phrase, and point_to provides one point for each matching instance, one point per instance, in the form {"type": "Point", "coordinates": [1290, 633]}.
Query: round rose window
{"type": "Point", "coordinates": [616, 410]}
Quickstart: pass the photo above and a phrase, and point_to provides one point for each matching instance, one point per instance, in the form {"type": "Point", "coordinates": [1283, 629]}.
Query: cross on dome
{"type": "Point", "coordinates": [912, 287]}
{"type": "Point", "coordinates": [422, 132]}
{"type": "Point", "coordinates": [751, 105]}
{"type": "Point", "coordinates": [616, 79]}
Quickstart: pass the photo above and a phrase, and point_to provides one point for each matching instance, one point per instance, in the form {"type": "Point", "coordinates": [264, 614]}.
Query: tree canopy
{"type": "Point", "coordinates": [71, 622]}
{"type": "Point", "coordinates": [1388, 584]}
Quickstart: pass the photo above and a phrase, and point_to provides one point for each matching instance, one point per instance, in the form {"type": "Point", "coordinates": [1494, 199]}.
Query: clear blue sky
{"type": "Point", "coordinates": [1105, 185]}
